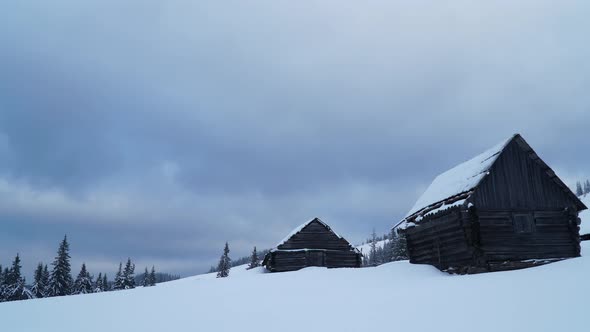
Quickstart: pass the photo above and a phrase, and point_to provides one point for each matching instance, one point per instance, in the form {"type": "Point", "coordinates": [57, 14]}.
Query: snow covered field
{"type": "Point", "coordinates": [393, 297]}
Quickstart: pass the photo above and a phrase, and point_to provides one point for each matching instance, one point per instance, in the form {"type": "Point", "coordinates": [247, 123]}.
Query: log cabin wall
{"type": "Point", "coordinates": [286, 261]}
{"type": "Point", "coordinates": [523, 213]}
{"type": "Point", "coordinates": [444, 240]}
{"type": "Point", "coordinates": [523, 235]}
{"type": "Point", "coordinates": [281, 261]}
{"type": "Point", "coordinates": [518, 182]}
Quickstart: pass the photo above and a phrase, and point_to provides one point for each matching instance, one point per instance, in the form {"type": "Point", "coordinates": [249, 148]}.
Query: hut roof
{"type": "Point", "coordinates": [302, 226]}
{"type": "Point", "coordinates": [455, 186]}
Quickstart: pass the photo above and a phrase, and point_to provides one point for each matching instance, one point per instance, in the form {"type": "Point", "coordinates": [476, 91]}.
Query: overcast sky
{"type": "Point", "coordinates": [158, 130]}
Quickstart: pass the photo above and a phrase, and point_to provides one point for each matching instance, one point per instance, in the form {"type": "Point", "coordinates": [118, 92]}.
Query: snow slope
{"type": "Point", "coordinates": [396, 296]}
{"type": "Point", "coordinates": [366, 248]}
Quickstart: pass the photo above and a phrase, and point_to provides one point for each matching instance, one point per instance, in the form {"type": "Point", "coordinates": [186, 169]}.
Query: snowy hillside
{"type": "Point", "coordinates": [408, 297]}
{"type": "Point", "coordinates": [547, 298]}
{"type": "Point", "coordinates": [585, 215]}
{"type": "Point", "coordinates": [366, 248]}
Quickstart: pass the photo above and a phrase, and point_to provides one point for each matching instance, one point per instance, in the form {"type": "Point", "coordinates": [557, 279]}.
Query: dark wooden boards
{"type": "Point", "coordinates": [518, 181]}
{"type": "Point", "coordinates": [520, 214]}
{"type": "Point", "coordinates": [314, 245]}
{"type": "Point", "coordinates": [315, 236]}
{"type": "Point", "coordinates": [280, 260]}
{"type": "Point", "coordinates": [443, 241]}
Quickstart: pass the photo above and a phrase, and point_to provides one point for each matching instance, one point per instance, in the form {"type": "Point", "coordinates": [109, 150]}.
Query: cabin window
{"type": "Point", "coordinates": [523, 223]}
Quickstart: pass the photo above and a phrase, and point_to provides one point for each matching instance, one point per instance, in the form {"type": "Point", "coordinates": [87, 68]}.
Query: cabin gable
{"type": "Point", "coordinates": [519, 180]}
{"type": "Point", "coordinates": [315, 235]}
{"type": "Point", "coordinates": [312, 244]}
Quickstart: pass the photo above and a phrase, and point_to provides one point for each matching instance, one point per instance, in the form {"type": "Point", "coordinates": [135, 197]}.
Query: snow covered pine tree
{"type": "Point", "coordinates": [224, 263]}
{"type": "Point", "coordinates": [145, 280]}
{"type": "Point", "coordinates": [14, 284]}
{"type": "Point", "coordinates": [83, 283]}
{"type": "Point", "coordinates": [98, 285]}
{"type": "Point", "coordinates": [60, 281]}
{"type": "Point", "coordinates": [129, 275]}
{"type": "Point", "coordinates": [153, 276]}
{"type": "Point", "coordinates": [45, 279]}
{"type": "Point", "coordinates": [254, 260]}
{"type": "Point", "coordinates": [118, 284]}
{"type": "Point", "coordinates": [373, 251]}
{"type": "Point", "coordinates": [579, 191]}
{"type": "Point", "coordinates": [40, 282]}
{"type": "Point", "coordinates": [1, 284]}
{"type": "Point", "coordinates": [400, 248]}
{"type": "Point", "coordinates": [105, 283]}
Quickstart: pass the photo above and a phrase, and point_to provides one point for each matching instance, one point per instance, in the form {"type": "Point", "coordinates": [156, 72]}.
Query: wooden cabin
{"type": "Point", "coordinates": [504, 209]}
{"type": "Point", "coordinates": [312, 244]}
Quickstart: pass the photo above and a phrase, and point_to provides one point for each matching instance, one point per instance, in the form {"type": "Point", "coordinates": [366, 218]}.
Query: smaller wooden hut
{"type": "Point", "coordinates": [312, 244]}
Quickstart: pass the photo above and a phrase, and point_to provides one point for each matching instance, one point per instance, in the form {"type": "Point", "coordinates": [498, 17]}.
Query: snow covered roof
{"type": "Point", "coordinates": [459, 179]}
{"type": "Point", "coordinates": [453, 187]}
{"type": "Point", "coordinates": [301, 227]}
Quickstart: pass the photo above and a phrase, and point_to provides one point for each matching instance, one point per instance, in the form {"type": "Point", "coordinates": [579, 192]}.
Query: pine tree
{"type": "Point", "coordinates": [145, 280]}
{"type": "Point", "coordinates": [129, 275]}
{"type": "Point", "coordinates": [118, 284]}
{"type": "Point", "coordinates": [38, 288]}
{"type": "Point", "coordinates": [389, 247]}
{"type": "Point", "coordinates": [380, 256]}
{"type": "Point", "coordinates": [1, 284]}
{"type": "Point", "coordinates": [373, 251]}
{"type": "Point", "coordinates": [365, 260]}
{"type": "Point", "coordinates": [98, 285]}
{"type": "Point", "coordinates": [14, 283]}
{"type": "Point", "coordinates": [4, 284]}
{"type": "Point", "coordinates": [83, 283]}
{"type": "Point", "coordinates": [60, 281]}
{"type": "Point", "coordinates": [105, 283]}
{"type": "Point", "coordinates": [45, 281]}
{"type": "Point", "coordinates": [254, 261]}
{"type": "Point", "coordinates": [12, 280]}
{"type": "Point", "coordinates": [579, 191]}
{"type": "Point", "coordinates": [400, 248]}
{"type": "Point", "coordinates": [224, 263]}
{"type": "Point", "coordinates": [153, 276]}
{"type": "Point", "coordinates": [587, 187]}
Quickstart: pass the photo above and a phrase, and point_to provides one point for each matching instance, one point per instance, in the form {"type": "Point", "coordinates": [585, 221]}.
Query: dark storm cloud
{"type": "Point", "coordinates": [167, 128]}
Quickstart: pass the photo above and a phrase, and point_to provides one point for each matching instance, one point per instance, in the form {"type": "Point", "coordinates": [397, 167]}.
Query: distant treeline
{"type": "Point", "coordinates": [248, 259]}
{"type": "Point", "coordinates": [582, 188]}
{"type": "Point", "coordinates": [160, 277]}
{"type": "Point", "coordinates": [59, 281]}
{"type": "Point", "coordinates": [394, 249]}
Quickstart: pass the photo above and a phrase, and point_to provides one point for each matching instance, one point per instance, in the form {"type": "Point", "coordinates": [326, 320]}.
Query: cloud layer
{"type": "Point", "coordinates": [159, 130]}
